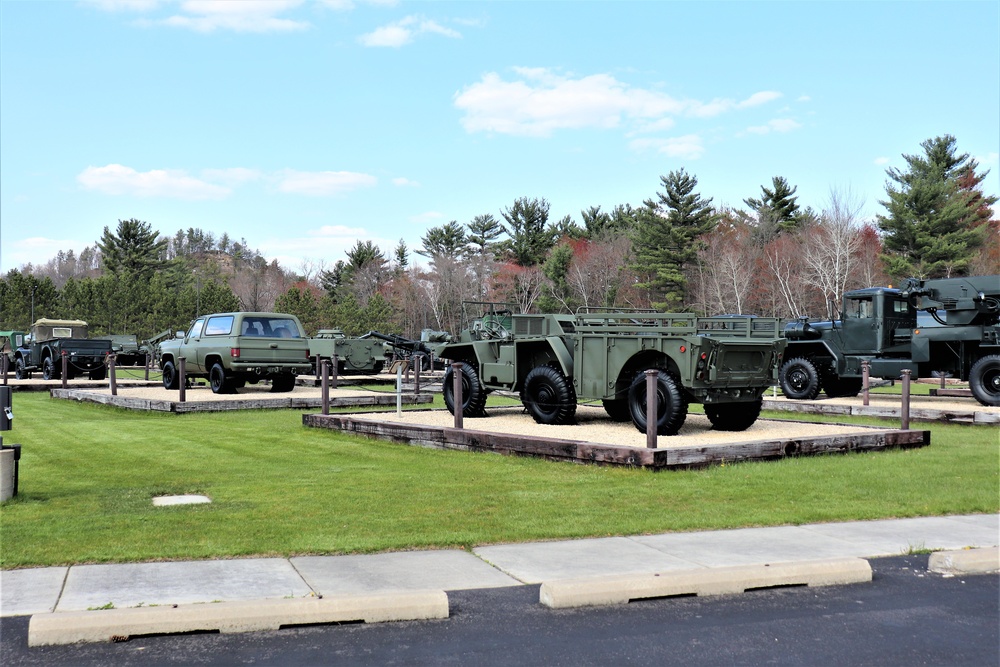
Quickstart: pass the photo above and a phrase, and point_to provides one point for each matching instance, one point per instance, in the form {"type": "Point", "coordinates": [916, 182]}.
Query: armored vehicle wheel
{"type": "Point", "coordinates": [733, 416]}
{"type": "Point", "coordinates": [171, 378]}
{"type": "Point", "coordinates": [671, 408]}
{"type": "Point", "coordinates": [282, 382]}
{"type": "Point", "coordinates": [99, 373]}
{"type": "Point", "coordinates": [984, 380]}
{"type": "Point", "coordinates": [49, 371]}
{"type": "Point", "coordinates": [799, 379]}
{"type": "Point", "coordinates": [617, 409]}
{"type": "Point", "coordinates": [19, 371]}
{"type": "Point", "coordinates": [838, 387]}
{"type": "Point", "coordinates": [549, 396]}
{"type": "Point", "coordinates": [473, 394]}
{"type": "Point", "coordinates": [219, 380]}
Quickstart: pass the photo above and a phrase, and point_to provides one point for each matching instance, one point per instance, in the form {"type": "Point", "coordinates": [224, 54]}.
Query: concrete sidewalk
{"type": "Point", "coordinates": [83, 587]}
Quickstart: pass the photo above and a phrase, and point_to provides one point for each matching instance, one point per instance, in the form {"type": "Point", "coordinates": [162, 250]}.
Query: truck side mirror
{"type": "Point", "coordinates": [179, 334]}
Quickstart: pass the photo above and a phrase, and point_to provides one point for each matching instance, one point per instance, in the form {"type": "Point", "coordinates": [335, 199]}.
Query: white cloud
{"type": "Point", "coordinates": [541, 101]}
{"type": "Point", "coordinates": [775, 125]}
{"type": "Point", "coordinates": [405, 182]}
{"type": "Point", "coordinates": [116, 179]}
{"type": "Point", "coordinates": [688, 147]}
{"type": "Point", "coordinates": [322, 183]}
{"type": "Point", "coordinates": [881, 160]}
{"type": "Point", "coordinates": [401, 33]}
{"type": "Point", "coordinates": [990, 158]}
{"type": "Point", "coordinates": [236, 15]}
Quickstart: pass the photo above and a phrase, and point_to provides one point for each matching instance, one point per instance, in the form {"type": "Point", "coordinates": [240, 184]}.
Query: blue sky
{"type": "Point", "coordinates": [305, 126]}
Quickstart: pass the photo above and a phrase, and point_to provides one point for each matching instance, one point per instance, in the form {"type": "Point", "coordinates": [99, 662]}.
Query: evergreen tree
{"type": "Point", "coordinates": [134, 249]}
{"type": "Point", "coordinates": [484, 230]}
{"type": "Point", "coordinates": [444, 241]}
{"type": "Point", "coordinates": [527, 226]}
{"type": "Point", "coordinates": [556, 269]}
{"type": "Point", "coordinates": [935, 212]}
{"type": "Point", "coordinates": [665, 239]}
{"type": "Point", "coordinates": [778, 205]}
{"type": "Point", "coordinates": [402, 256]}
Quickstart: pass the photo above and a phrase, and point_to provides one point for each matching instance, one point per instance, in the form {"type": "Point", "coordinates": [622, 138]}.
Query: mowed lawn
{"type": "Point", "coordinates": [89, 472]}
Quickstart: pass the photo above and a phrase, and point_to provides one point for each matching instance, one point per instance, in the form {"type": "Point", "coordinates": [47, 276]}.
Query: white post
{"type": "Point", "coordinates": [399, 390]}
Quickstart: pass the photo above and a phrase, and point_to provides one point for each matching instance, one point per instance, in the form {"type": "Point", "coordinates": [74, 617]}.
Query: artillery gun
{"type": "Point", "coordinates": [354, 355]}
{"type": "Point", "coordinates": [556, 360]}
{"type": "Point", "coordinates": [880, 326]}
{"type": "Point", "coordinates": [423, 352]}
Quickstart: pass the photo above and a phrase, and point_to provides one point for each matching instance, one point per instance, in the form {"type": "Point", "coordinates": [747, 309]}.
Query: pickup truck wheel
{"type": "Point", "coordinates": [219, 381]}
{"type": "Point", "coordinates": [838, 387]}
{"type": "Point", "coordinates": [171, 378]}
{"type": "Point", "coordinates": [19, 371]}
{"type": "Point", "coordinates": [984, 380]}
{"type": "Point", "coordinates": [671, 408]}
{"type": "Point", "coordinates": [617, 409]}
{"type": "Point", "coordinates": [733, 416]}
{"type": "Point", "coordinates": [49, 371]}
{"type": "Point", "coordinates": [99, 373]}
{"type": "Point", "coordinates": [282, 382]}
{"type": "Point", "coordinates": [799, 379]}
{"type": "Point", "coordinates": [473, 394]}
{"type": "Point", "coordinates": [549, 396]}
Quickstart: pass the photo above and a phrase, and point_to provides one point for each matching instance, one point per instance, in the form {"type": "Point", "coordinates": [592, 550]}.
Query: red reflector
{"type": "Point", "coordinates": [234, 352]}
{"type": "Point", "coordinates": [683, 349]}
{"type": "Point", "coordinates": [704, 356]}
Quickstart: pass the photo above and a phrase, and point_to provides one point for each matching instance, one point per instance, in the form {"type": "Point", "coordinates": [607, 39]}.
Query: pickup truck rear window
{"type": "Point", "coordinates": [219, 326]}
{"type": "Point", "coordinates": [270, 327]}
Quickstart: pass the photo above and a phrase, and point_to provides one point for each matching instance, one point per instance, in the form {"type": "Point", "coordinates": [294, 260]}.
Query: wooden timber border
{"type": "Point", "coordinates": [255, 402]}
{"type": "Point", "coordinates": [680, 456]}
{"type": "Point", "coordinates": [962, 416]}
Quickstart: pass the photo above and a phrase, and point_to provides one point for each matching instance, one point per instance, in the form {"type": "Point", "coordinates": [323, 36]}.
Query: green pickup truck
{"type": "Point", "coordinates": [234, 349]}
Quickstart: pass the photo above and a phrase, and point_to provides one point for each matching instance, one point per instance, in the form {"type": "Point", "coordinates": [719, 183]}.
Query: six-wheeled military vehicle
{"type": "Point", "coordinates": [50, 339]}
{"type": "Point", "coordinates": [233, 349]}
{"type": "Point", "coordinates": [354, 355]}
{"type": "Point", "coordinates": [554, 361]}
{"type": "Point", "coordinates": [880, 325]}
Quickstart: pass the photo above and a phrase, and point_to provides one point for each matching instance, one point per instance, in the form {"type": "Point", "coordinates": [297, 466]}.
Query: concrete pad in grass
{"type": "Point", "coordinates": [965, 561]}
{"type": "Point", "coordinates": [230, 617]}
{"type": "Point", "coordinates": [30, 591]}
{"type": "Point", "coordinates": [544, 561]}
{"type": "Point", "coordinates": [135, 584]}
{"type": "Point", "coordinates": [892, 537]}
{"type": "Point", "coordinates": [707, 581]}
{"type": "Point", "coordinates": [449, 570]}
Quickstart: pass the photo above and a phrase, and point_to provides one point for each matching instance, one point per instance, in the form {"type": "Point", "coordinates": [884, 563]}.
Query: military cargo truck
{"type": "Point", "coordinates": [879, 325]}
{"type": "Point", "coordinates": [233, 349]}
{"type": "Point", "coordinates": [554, 361]}
{"type": "Point", "coordinates": [354, 355]}
{"type": "Point", "coordinates": [49, 339]}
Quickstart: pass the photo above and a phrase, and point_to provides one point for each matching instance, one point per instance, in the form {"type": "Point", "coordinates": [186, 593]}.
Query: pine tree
{"type": "Point", "coordinates": [778, 204]}
{"type": "Point", "coordinates": [527, 226]}
{"type": "Point", "coordinates": [444, 241]}
{"type": "Point", "coordinates": [665, 238]}
{"type": "Point", "coordinates": [935, 212]}
{"type": "Point", "coordinates": [134, 249]}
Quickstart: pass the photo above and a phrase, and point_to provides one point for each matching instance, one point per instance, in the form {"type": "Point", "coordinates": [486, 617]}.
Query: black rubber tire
{"type": "Point", "coordinates": [19, 372]}
{"type": "Point", "coordinates": [733, 416]}
{"type": "Point", "coordinates": [671, 408]}
{"type": "Point", "coordinates": [49, 371]}
{"type": "Point", "coordinates": [548, 395]}
{"type": "Point", "coordinates": [617, 409]}
{"type": "Point", "coordinates": [473, 393]}
{"type": "Point", "coordinates": [99, 373]}
{"type": "Point", "coordinates": [800, 379]}
{"type": "Point", "coordinates": [219, 380]}
{"type": "Point", "coordinates": [838, 387]}
{"type": "Point", "coordinates": [171, 377]}
{"type": "Point", "coordinates": [282, 383]}
{"type": "Point", "coordinates": [984, 380]}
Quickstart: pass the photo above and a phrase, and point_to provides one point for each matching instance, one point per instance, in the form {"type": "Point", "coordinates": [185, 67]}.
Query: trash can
{"type": "Point", "coordinates": [10, 457]}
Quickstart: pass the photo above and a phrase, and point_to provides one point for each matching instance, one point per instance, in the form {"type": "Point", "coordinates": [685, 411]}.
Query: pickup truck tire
{"type": "Point", "coordinates": [838, 387]}
{"type": "Point", "coordinates": [733, 416]}
{"type": "Point", "coordinates": [283, 382]}
{"type": "Point", "coordinates": [49, 371]}
{"type": "Point", "coordinates": [473, 394]}
{"type": "Point", "coordinates": [984, 380]}
{"type": "Point", "coordinates": [99, 373]}
{"type": "Point", "coordinates": [171, 378]}
{"type": "Point", "coordinates": [617, 409]}
{"type": "Point", "coordinates": [671, 408]}
{"type": "Point", "coordinates": [220, 381]}
{"type": "Point", "coordinates": [549, 396]}
{"type": "Point", "coordinates": [19, 371]}
{"type": "Point", "coordinates": [800, 379]}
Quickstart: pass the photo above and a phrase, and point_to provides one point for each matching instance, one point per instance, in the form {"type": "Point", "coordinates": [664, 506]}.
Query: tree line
{"type": "Point", "coordinates": [674, 251]}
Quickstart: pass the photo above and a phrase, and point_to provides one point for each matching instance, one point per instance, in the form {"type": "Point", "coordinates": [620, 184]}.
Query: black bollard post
{"type": "Point", "coordinates": [457, 372]}
{"type": "Point", "coordinates": [651, 377]}
{"type": "Point", "coordinates": [65, 368]}
{"type": "Point", "coordinates": [334, 363]}
{"type": "Point", "coordinates": [865, 381]}
{"type": "Point", "coordinates": [112, 379]}
{"type": "Point", "coordinates": [182, 371]}
{"type": "Point", "coordinates": [325, 385]}
{"type": "Point", "coordinates": [4, 362]}
{"type": "Point", "coordinates": [904, 411]}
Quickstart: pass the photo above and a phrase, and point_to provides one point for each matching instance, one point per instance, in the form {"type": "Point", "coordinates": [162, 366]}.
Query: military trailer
{"type": "Point", "coordinates": [49, 339]}
{"type": "Point", "coordinates": [9, 342]}
{"type": "Point", "coordinates": [880, 326]}
{"type": "Point", "coordinates": [554, 361]}
{"type": "Point", "coordinates": [354, 355]}
{"type": "Point", "coordinates": [234, 349]}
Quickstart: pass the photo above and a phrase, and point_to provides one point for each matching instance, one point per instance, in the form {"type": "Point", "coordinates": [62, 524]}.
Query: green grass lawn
{"type": "Point", "coordinates": [88, 474]}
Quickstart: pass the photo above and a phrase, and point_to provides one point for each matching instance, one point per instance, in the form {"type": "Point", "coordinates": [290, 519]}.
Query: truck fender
{"type": "Point", "coordinates": [562, 354]}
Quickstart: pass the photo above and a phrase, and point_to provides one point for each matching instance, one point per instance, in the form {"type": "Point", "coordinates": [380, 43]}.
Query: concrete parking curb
{"type": "Point", "coordinates": [965, 561]}
{"type": "Point", "coordinates": [229, 617]}
{"type": "Point", "coordinates": [714, 581]}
